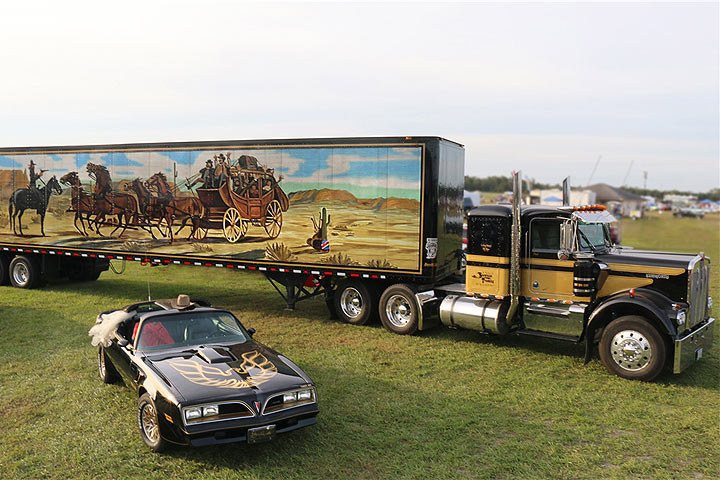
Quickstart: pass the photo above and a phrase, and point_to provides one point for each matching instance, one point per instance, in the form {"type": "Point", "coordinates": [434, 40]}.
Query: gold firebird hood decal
{"type": "Point", "coordinates": [255, 370]}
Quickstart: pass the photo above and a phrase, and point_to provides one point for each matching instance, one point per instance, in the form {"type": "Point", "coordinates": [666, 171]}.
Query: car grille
{"type": "Point", "coordinates": [698, 284]}
{"type": "Point", "coordinates": [227, 411]}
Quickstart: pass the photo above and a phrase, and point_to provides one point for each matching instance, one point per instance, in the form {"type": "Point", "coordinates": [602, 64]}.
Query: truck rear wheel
{"type": "Point", "coordinates": [398, 310]}
{"type": "Point", "coordinates": [632, 348]}
{"type": "Point", "coordinates": [24, 272]}
{"type": "Point", "coordinates": [354, 302]}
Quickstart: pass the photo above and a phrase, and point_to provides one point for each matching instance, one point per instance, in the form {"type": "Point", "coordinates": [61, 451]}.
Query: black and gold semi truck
{"type": "Point", "coordinates": [553, 272]}
{"type": "Point", "coordinates": [374, 224]}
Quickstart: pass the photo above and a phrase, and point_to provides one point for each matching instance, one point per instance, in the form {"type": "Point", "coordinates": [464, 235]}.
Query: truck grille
{"type": "Point", "coordinates": [699, 273]}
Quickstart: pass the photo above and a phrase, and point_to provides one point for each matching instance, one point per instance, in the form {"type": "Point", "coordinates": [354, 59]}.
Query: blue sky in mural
{"type": "Point", "coordinates": [186, 157]}
{"type": "Point", "coordinates": [313, 159]}
{"type": "Point", "coordinates": [6, 162]}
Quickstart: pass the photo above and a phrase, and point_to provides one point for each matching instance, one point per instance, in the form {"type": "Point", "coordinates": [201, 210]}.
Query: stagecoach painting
{"type": "Point", "coordinates": [248, 196]}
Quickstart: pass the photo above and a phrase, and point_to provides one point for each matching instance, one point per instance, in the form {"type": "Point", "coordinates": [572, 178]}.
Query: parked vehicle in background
{"type": "Point", "coordinates": [689, 212]}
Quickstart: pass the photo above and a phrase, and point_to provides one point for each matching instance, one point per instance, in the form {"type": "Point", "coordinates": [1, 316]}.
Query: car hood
{"type": "Point", "coordinates": [213, 373]}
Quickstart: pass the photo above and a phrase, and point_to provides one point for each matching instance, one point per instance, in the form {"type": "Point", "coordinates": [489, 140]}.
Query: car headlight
{"type": "Point", "coordinates": [210, 410]}
{"type": "Point", "coordinates": [192, 413]}
{"type": "Point", "coordinates": [290, 397]}
{"type": "Point", "coordinates": [680, 317]}
{"type": "Point", "coordinates": [304, 395]}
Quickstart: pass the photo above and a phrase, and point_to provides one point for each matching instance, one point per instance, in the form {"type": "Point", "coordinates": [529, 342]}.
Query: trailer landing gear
{"type": "Point", "coordinates": [297, 287]}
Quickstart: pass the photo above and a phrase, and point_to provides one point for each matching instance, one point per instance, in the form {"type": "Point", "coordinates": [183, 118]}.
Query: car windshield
{"type": "Point", "coordinates": [593, 236]}
{"type": "Point", "coordinates": [189, 329]}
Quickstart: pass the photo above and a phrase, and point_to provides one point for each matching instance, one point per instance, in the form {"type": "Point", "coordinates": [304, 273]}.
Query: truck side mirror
{"type": "Point", "coordinates": [566, 240]}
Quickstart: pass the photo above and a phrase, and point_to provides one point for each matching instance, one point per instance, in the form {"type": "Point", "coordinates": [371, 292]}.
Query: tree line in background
{"type": "Point", "coordinates": [504, 184]}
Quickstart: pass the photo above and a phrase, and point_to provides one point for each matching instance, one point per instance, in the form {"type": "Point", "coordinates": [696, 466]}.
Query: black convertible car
{"type": "Point", "coordinates": [201, 379]}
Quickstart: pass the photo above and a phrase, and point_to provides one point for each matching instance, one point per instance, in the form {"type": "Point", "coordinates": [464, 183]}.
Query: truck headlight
{"type": "Point", "coordinates": [193, 413]}
{"type": "Point", "coordinates": [210, 410]}
{"type": "Point", "coordinates": [680, 317]}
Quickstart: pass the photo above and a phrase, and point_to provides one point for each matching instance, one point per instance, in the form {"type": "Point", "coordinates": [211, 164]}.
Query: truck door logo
{"type": "Point", "coordinates": [485, 278]}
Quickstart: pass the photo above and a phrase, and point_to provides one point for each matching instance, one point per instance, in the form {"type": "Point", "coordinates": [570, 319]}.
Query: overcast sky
{"type": "Point", "coordinates": [546, 88]}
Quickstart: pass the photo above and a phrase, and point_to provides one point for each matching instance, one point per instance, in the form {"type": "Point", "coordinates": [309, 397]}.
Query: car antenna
{"type": "Point", "coordinates": [148, 275]}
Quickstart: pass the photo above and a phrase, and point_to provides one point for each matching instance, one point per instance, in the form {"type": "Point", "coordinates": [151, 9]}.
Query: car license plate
{"type": "Point", "coordinates": [698, 353]}
{"type": "Point", "coordinates": [261, 434]}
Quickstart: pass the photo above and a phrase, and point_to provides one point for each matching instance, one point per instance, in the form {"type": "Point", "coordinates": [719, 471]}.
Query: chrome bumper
{"type": "Point", "coordinates": [693, 346]}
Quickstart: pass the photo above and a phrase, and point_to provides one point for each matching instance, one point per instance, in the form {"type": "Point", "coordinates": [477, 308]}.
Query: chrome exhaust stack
{"type": "Point", "coordinates": [566, 192]}
{"type": "Point", "coordinates": [515, 237]}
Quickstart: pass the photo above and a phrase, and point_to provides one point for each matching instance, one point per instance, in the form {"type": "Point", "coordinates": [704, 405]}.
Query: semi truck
{"type": "Point", "coordinates": [375, 225]}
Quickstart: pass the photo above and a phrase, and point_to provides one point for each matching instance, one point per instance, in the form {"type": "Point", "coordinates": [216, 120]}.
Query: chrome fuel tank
{"type": "Point", "coordinates": [474, 313]}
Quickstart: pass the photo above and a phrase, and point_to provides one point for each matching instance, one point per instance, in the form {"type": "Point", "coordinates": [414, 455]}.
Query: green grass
{"type": "Point", "coordinates": [442, 404]}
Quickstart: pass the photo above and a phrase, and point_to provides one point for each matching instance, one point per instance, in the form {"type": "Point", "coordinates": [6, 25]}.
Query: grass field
{"type": "Point", "coordinates": [442, 404]}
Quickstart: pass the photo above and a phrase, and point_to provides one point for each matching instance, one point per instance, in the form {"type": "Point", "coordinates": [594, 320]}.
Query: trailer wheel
{"type": "Point", "coordinates": [24, 272]}
{"type": "Point", "coordinates": [4, 270]}
{"type": "Point", "coordinates": [398, 309]}
{"type": "Point", "coordinates": [354, 302]}
{"type": "Point", "coordinates": [632, 348]}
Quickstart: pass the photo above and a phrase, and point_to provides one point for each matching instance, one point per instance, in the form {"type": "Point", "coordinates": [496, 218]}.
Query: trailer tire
{"type": "Point", "coordinates": [24, 272]}
{"type": "Point", "coordinates": [632, 348]}
{"type": "Point", "coordinates": [354, 302]}
{"type": "Point", "coordinates": [398, 309]}
{"type": "Point", "coordinates": [4, 270]}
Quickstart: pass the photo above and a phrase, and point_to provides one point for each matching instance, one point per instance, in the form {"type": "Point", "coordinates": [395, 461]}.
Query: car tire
{"type": "Point", "coordinates": [4, 270]}
{"type": "Point", "coordinates": [632, 348]}
{"type": "Point", "coordinates": [399, 310]}
{"type": "Point", "coordinates": [149, 424]}
{"type": "Point", "coordinates": [106, 369]}
{"type": "Point", "coordinates": [354, 302]}
{"type": "Point", "coordinates": [24, 272]}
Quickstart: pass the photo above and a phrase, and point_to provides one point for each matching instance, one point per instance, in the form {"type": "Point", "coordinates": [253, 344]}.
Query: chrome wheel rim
{"type": "Point", "coordinates": [631, 350]}
{"type": "Point", "coordinates": [149, 423]}
{"type": "Point", "coordinates": [20, 273]}
{"type": "Point", "coordinates": [101, 363]}
{"type": "Point", "coordinates": [351, 302]}
{"type": "Point", "coordinates": [399, 311]}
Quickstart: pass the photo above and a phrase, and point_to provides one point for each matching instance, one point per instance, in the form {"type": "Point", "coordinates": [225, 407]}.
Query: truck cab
{"type": "Point", "coordinates": [560, 276]}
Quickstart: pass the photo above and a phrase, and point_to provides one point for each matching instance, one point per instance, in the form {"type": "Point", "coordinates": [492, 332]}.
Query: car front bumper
{"type": "Point", "coordinates": [692, 346]}
{"type": "Point", "coordinates": [236, 430]}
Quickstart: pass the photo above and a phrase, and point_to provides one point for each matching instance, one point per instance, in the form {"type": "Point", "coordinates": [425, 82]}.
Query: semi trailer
{"type": "Point", "coordinates": [374, 225]}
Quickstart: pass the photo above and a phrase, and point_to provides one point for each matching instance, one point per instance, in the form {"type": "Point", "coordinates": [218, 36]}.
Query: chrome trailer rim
{"type": "Point", "coordinates": [351, 302]}
{"type": "Point", "coordinates": [20, 273]}
{"type": "Point", "coordinates": [399, 311]}
{"type": "Point", "coordinates": [631, 350]}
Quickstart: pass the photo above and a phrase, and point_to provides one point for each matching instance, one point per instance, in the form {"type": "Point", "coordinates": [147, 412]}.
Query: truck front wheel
{"type": "Point", "coordinates": [399, 310]}
{"type": "Point", "coordinates": [354, 302]}
{"type": "Point", "coordinates": [630, 347]}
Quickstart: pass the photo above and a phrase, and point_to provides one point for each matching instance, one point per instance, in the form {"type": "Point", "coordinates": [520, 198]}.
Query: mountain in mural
{"type": "Point", "coordinates": [326, 194]}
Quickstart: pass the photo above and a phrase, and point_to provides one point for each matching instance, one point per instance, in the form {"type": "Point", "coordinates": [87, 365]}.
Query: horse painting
{"type": "Point", "coordinates": [31, 199]}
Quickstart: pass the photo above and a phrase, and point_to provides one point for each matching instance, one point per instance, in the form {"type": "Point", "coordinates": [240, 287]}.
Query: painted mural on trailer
{"type": "Point", "coordinates": [355, 206]}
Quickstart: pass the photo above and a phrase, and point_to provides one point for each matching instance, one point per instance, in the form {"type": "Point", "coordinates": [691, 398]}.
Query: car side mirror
{"type": "Point", "coordinates": [122, 342]}
{"type": "Point", "coordinates": [251, 331]}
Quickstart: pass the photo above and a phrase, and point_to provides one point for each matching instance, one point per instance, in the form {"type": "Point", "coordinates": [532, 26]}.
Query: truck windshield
{"type": "Point", "coordinates": [593, 236]}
